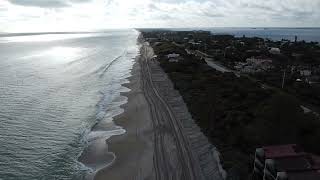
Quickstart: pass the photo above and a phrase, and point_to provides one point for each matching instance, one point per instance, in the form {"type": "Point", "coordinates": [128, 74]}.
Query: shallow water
{"type": "Point", "coordinates": [53, 89]}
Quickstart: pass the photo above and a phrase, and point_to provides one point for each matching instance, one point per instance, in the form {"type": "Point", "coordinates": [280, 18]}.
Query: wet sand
{"type": "Point", "coordinates": [134, 149]}
{"type": "Point", "coordinates": [130, 155]}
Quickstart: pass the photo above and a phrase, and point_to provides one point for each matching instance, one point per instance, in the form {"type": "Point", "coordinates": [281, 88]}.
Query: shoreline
{"type": "Point", "coordinates": [122, 153]}
{"type": "Point", "coordinates": [138, 139]}
{"type": "Point", "coordinates": [161, 139]}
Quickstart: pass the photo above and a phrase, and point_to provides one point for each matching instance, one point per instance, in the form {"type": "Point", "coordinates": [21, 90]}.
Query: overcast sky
{"type": "Point", "coordinates": [82, 15]}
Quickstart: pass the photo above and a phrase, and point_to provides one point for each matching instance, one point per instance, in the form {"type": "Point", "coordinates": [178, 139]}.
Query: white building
{"type": "Point", "coordinates": [275, 51]}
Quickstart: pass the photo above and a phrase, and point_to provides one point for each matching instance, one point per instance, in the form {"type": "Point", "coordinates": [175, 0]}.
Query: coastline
{"type": "Point", "coordinates": [134, 149]}
{"type": "Point", "coordinates": [123, 152]}
{"type": "Point", "coordinates": [161, 140]}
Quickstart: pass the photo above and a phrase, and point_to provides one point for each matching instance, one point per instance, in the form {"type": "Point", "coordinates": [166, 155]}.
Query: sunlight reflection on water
{"type": "Point", "coordinates": [47, 37]}
{"type": "Point", "coordinates": [58, 53]}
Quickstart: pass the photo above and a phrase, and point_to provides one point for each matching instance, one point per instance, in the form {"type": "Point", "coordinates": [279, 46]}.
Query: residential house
{"type": "Point", "coordinates": [275, 51]}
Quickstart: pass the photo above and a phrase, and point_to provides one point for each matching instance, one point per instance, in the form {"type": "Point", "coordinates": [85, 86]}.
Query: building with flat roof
{"type": "Point", "coordinates": [285, 162]}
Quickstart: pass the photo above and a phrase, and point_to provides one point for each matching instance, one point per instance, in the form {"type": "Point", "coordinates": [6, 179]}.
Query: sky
{"type": "Point", "coordinates": [88, 15]}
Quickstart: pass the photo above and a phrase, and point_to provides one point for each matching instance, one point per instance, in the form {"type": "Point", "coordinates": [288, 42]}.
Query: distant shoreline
{"type": "Point", "coordinates": [236, 31]}
{"type": "Point", "coordinates": [307, 34]}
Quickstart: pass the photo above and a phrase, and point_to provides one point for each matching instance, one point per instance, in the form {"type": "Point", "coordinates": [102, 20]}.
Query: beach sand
{"type": "Point", "coordinates": [133, 151]}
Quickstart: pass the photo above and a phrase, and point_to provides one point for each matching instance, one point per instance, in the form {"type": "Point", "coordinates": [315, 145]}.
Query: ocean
{"type": "Point", "coordinates": [53, 89]}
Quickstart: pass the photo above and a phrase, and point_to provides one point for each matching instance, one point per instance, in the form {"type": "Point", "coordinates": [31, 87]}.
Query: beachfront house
{"type": "Point", "coordinates": [275, 51]}
{"type": "Point", "coordinates": [285, 162]}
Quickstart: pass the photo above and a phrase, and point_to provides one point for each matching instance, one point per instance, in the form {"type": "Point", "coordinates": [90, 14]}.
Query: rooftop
{"type": "Point", "coordinates": [282, 151]}
{"type": "Point", "coordinates": [291, 159]}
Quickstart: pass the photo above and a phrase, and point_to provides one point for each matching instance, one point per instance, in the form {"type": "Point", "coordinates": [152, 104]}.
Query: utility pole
{"type": "Point", "coordinates": [205, 47]}
{"type": "Point", "coordinates": [283, 78]}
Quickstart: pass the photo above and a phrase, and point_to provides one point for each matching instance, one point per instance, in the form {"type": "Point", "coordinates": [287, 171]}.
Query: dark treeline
{"type": "Point", "coordinates": [236, 113]}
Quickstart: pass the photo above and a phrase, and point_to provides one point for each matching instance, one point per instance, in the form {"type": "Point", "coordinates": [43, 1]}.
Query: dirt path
{"type": "Point", "coordinates": [173, 157]}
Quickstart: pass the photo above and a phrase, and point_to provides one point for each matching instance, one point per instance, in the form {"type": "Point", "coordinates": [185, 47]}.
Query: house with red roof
{"type": "Point", "coordinates": [285, 162]}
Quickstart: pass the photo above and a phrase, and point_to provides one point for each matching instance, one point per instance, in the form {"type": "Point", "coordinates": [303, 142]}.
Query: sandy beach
{"type": "Point", "coordinates": [133, 151]}
{"type": "Point", "coordinates": [161, 140]}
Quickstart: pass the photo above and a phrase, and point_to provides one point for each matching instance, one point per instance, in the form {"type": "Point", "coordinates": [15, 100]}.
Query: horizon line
{"type": "Point", "coordinates": [102, 30]}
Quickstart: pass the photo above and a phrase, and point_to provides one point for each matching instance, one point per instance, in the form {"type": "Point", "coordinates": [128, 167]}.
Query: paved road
{"type": "Point", "coordinates": [217, 66]}
{"type": "Point", "coordinates": [173, 158]}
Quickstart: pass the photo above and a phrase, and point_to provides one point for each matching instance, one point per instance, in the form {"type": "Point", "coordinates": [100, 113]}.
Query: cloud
{"type": "Point", "coordinates": [46, 3]}
{"type": "Point", "coordinates": [104, 14]}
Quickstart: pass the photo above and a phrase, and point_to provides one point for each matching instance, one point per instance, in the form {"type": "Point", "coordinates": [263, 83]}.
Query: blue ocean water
{"type": "Point", "coordinates": [53, 89]}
